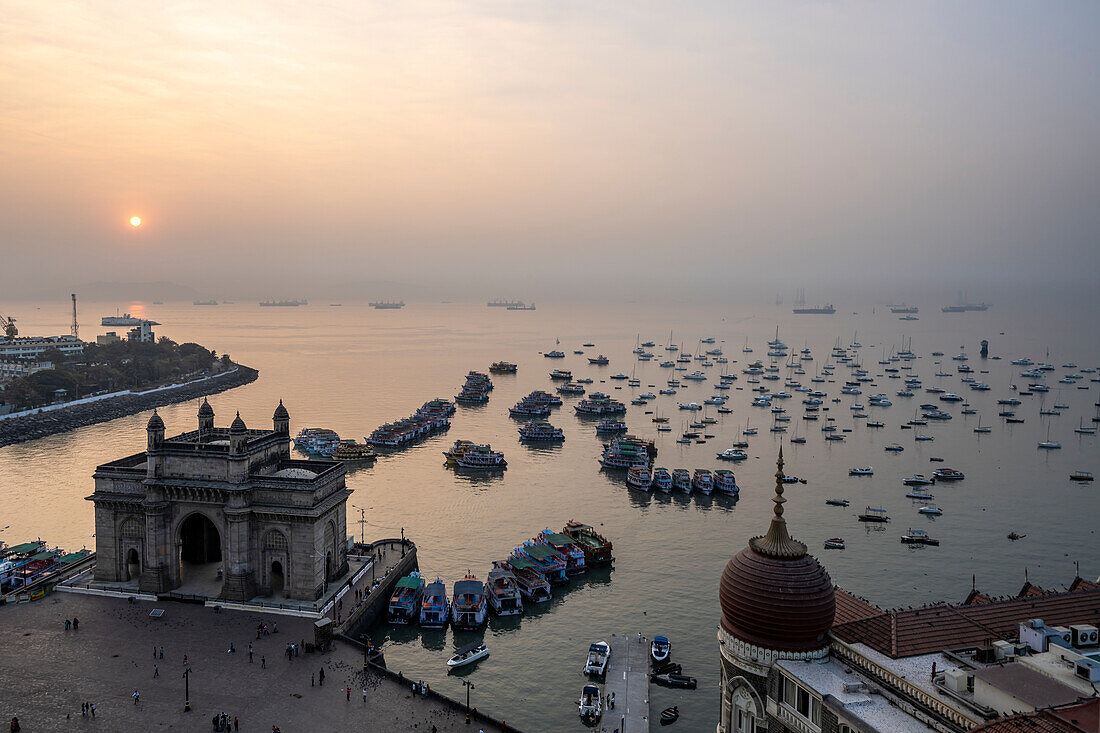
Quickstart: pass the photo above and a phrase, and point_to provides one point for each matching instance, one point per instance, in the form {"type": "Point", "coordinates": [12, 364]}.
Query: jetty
{"type": "Point", "coordinates": [628, 679]}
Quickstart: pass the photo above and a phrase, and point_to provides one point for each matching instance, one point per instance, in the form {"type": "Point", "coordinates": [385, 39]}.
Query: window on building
{"type": "Point", "coordinates": [803, 706]}
{"type": "Point", "coordinates": [815, 711]}
{"type": "Point", "coordinates": [844, 729]}
{"type": "Point", "coordinates": [790, 691]}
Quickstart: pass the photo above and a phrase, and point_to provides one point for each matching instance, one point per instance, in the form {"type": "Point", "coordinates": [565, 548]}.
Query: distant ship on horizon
{"type": "Point", "coordinates": [387, 304]}
{"type": "Point", "coordinates": [205, 302]}
{"type": "Point", "coordinates": [284, 303]}
{"type": "Point", "coordinates": [502, 303]}
{"type": "Point", "coordinates": [820, 310]}
{"type": "Point", "coordinates": [125, 320]}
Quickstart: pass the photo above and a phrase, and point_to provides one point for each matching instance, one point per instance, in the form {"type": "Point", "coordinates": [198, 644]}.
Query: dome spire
{"type": "Point", "coordinates": [777, 542]}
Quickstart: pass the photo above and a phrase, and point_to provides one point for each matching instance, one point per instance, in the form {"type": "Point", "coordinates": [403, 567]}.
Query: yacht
{"type": "Point", "coordinates": [861, 471]}
{"type": "Point", "coordinates": [598, 656]}
{"type": "Point", "coordinates": [733, 454]}
{"type": "Point", "coordinates": [554, 354]}
{"type": "Point", "coordinates": [469, 609]}
{"type": "Point", "coordinates": [503, 592]}
{"type": "Point", "coordinates": [468, 654]}
{"type": "Point", "coordinates": [600, 360]}
{"type": "Point", "coordinates": [660, 649]}
{"type": "Point", "coordinates": [591, 703]}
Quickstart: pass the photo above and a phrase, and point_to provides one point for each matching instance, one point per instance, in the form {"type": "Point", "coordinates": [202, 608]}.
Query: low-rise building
{"type": "Point", "coordinates": [33, 346]}
{"type": "Point", "coordinates": [13, 368]}
{"type": "Point", "coordinates": [107, 339]}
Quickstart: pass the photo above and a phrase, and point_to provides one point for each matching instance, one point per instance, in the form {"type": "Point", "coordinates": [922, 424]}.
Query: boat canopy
{"type": "Point", "coordinates": [468, 648]}
{"type": "Point", "coordinates": [559, 539]}
{"type": "Point", "coordinates": [71, 558]}
{"type": "Point", "coordinates": [600, 647]}
{"type": "Point", "coordinates": [410, 581]}
{"type": "Point", "coordinates": [25, 547]}
{"type": "Point", "coordinates": [541, 552]}
{"type": "Point", "coordinates": [660, 640]}
{"type": "Point", "coordinates": [43, 556]}
{"type": "Point", "coordinates": [520, 563]}
{"type": "Point", "coordinates": [590, 690]}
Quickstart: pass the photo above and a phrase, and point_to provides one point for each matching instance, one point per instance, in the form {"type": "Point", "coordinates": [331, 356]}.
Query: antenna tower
{"type": "Point", "coordinates": [74, 328]}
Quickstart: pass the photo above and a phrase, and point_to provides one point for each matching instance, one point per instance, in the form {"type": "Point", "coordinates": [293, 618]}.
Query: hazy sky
{"type": "Point", "coordinates": [276, 146]}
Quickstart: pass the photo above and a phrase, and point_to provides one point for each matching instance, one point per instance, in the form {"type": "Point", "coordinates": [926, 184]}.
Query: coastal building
{"type": "Point", "coordinates": [107, 339]}
{"type": "Point", "coordinates": [142, 333]}
{"type": "Point", "coordinates": [12, 368]}
{"type": "Point", "coordinates": [221, 512]}
{"type": "Point", "coordinates": [800, 655]}
{"type": "Point", "coordinates": [32, 347]}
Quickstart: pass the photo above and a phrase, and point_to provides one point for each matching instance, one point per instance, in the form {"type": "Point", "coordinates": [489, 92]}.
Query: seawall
{"type": "Point", "coordinates": [69, 417]}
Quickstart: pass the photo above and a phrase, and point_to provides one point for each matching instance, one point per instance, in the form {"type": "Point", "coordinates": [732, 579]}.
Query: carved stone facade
{"type": "Point", "coordinates": [230, 498]}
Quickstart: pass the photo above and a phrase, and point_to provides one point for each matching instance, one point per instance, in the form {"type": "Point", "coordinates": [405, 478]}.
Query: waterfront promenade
{"type": "Point", "coordinates": [46, 672]}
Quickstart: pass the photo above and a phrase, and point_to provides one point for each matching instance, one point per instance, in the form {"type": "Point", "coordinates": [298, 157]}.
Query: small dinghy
{"type": "Point", "coordinates": [675, 680]}
{"type": "Point", "coordinates": [468, 654]}
{"type": "Point", "coordinates": [668, 667]}
{"type": "Point", "coordinates": [669, 715]}
{"type": "Point", "coordinates": [660, 649]}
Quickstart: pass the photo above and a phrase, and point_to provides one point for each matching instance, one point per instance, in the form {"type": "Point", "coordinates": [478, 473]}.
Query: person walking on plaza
{"type": "Point", "coordinates": [263, 662]}
{"type": "Point", "coordinates": [136, 696]}
{"type": "Point", "coordinates": [321, 676]}
{"type": "Point", "coordinates": [156, 671]}
{"type": "Point", "coordinates": [347, 692]}
{"type": "Point", "coordinates": [162, 652]}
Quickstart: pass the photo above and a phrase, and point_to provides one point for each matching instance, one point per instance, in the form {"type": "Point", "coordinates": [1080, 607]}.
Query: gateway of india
{"type": "Point", "coordinates": [222, 512]}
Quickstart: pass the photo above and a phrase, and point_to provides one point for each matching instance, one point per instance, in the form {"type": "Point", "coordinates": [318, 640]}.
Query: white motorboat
{"type": "Point", "coordinates": [861, 471]}
{"type": "Point", "coordinates": [468, 654]}
{"type": "Point", "coordinates": [598, 656]}
{"type": "Point", "coordinates": [591, 702]}
{"type": "Point", "coordinates": [660, 649]}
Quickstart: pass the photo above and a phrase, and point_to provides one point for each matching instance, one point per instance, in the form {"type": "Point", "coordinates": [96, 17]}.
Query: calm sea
{"type": "Point", "coordinates": [351, 368]}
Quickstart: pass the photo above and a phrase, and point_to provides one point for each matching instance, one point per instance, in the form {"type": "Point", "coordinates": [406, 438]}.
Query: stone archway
{"type": "Point", "coordinates": [330, 551]}
{"type": "Point", "coordinates": [200, 556]}
{"type": "Point", "coordinates": [275, 562]}
{"type": "Point", "coordinates": [133, 564]}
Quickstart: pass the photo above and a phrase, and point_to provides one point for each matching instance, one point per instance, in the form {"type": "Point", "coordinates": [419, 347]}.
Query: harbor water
{"type": "Point", "coordinates": [353, 368]}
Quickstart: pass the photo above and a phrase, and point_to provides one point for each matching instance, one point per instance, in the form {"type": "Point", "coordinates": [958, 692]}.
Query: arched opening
{"type": "Point", "coordinates": [330, 552]}
{"type": "Point", "coordinates": [133, 565]}
{"type": "Point", "coordinates": [200, 556]}
{"type": "Point", "coordinates": [277, 579]}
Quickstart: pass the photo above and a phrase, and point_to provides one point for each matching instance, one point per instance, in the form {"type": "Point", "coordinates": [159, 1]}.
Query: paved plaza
{"type": "Point", "coordinates": [46, 672]}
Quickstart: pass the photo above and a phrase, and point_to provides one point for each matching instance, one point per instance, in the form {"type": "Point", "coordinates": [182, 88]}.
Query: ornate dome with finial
{"type": "Point", "coordinates": [281, 413]}
{"type": "Point", "coordinates": [238, 425]}
{"type": "Point", "coordinates": [155, 422]}
{"type": "Point", "coordinates": [775, 595]}
{"type": "Point", "coordinates": [205, 410]}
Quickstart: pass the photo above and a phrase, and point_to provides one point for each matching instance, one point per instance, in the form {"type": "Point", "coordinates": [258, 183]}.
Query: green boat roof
{"type": "Point", "coordinates": [520, 562]}
{"type": "Point", "coordinates": [542, 552]}
{"type": "Point", "coordinates": [25, 547]}
{"type": "Point", "coordinates": [71, 558]}
{"type": "Point", "coordinates": [560, 539]}
{"type": "Point", "coordinates": [42, 556]}
{"type": "Point", "coordinates": [410, 581]}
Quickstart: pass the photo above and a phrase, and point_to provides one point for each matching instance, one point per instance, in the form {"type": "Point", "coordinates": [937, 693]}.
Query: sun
{"type": "Point", "coordinates": [135, 221]}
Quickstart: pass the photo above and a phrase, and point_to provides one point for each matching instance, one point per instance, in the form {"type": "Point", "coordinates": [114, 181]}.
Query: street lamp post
{"type": "Point", "coordinates": [187, 690]}
{"type": "Point", "coordinates": [469, 686]}
{"type": "Point", "coordinates": [402, 542]}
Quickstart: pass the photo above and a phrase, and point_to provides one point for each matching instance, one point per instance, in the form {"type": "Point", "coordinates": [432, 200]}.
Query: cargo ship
{"type": "Point", "coordinates": [501, 303]}
{"type": "Point", "coordinates": [820, 310]}
{"type": "Point", "coordinates": [387, 305]}
{"type": "Point", "coordinates": [284, 303]}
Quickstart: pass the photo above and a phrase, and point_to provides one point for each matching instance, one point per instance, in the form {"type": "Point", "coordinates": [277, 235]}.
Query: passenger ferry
{"type": "Point", "coordinates": [681, 480]}
{"type": "Point", "coordinates": [597, 549]}
{"type": "Point", "coordinates": [434, 606]}
{"type": "Point", "coordinates": [541, 431]}
{"type": "Point", "coordinates": [469, 608]}
{"type": "Point", "coordinates": [405, 603]}
{"type": "Point", "coordinates": [349, 451]}
{"type": "Point", "coordinates": [599, 404]}
{"type": "Point", "coordinates": [662, 479]}
{"type": "Point", "coordinates": [503, 592]}
{"type": "Point", "coordinates": [575, 561]}
{"type": "Point", "coordinates": [524, 408]}
{"type": "Point", "coordinates": [503, 367]}
{"type": "Point", "coordinates": [948, 474]}
{"type": "Point", "coordinates": [611, 426]}
{"type": "Point", "coordinates": [546, 559]}
{"type": "Point", "coordinates": [725, 482]}
{"type": "Point", "coordinates": [639, 477]}
{"type": "Point", "coordinates": [562, 374]}
{"type": "Point", "coordinates": [600, 360]}
{"type": "Point", "coordinates": [571, 388]}
{"type": "Point", "coordinates": [530, 580]}
{"type": "Point", "coordinates": [481, 457]}
{"type": "Point", "coordinates": [702, 480]}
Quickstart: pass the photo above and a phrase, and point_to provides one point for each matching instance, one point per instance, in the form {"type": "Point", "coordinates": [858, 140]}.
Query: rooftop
{"type": "Point", "coordinates": [1027, 685]}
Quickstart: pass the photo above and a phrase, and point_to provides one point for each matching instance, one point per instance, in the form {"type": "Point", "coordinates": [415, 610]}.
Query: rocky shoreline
{"type": "Point", "coordinates": [31, 427]}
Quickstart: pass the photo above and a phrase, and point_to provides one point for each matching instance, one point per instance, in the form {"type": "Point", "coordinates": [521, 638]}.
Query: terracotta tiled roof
{"type": "Point", "coordinates": [976, 597]}
{"type": "Point", "coordinates": [909, 632]}
{"type": "Point", "coordinates": [1030, 591]}
{"type": "Point", "coordinates": [1073, 718]}
{"type": "Point", "coordinates": [852, 608]}
{"type": "Point", "coordinates": [1080, 583]}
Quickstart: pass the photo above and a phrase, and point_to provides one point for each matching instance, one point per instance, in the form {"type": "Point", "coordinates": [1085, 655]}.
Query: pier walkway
{"type": "Point", "coordinates": [628, 678]}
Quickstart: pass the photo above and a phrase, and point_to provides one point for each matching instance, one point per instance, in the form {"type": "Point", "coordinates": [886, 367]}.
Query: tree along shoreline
{"type": "Point", "coordinates": [60, 420]}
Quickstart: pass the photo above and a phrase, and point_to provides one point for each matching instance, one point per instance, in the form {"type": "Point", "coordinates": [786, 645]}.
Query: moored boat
{"type": "Point", "coordinates": [725, 482]}
{"type": "Point", "coordinates": [469, 607]}
{"type": "Point", "coordinates": [639, 477]}
{"type": "Point", "coordinates": [468, 654]}
{"type": "Point", "coordinates": [435, 609]}
{"type": "Point", "coordinates": [404, 605]}
{"type": "Point", "coordinates": [598, 656]}
{"type": "Point", "coordinates": [597, 549]}
{"type": "Point", "coordinates": [660, 649]}
{"type": "Point", "coordinates": [503, 593]}
{"type": "Point", "coordinates": [531, 582]}
{"type": "Point", "coordinates": [702, 480]}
